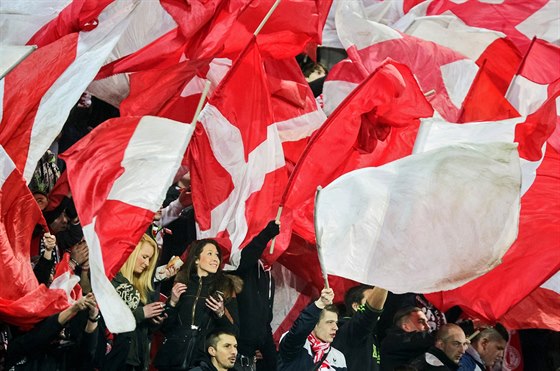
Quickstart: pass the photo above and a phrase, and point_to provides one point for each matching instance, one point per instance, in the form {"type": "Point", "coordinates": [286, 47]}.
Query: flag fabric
{"type": "Point", "coordinates": [415, 225]}
{"type": "Point", "coordinates": [23, 302]}
{"type": "Point", "coordinates": [30, 124]}
{"type": "Point", "coordinates": [377, 123]}
{"type": "Point", "coordinates": [440, 70]}
{"type": "Point", "coordinates": [538, 310]}
{"type": "Point", "coordinates": [119, 174]}
{"type": "Point", "coordinates": [237, 143]}
{"type": "Point", "coordinates": [538, 77]}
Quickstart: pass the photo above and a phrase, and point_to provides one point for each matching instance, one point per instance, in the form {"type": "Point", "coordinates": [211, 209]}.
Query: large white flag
{"type": "Point", "coordinates": [428, 222]}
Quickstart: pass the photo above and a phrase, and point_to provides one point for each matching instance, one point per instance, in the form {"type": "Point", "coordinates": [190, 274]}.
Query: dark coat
{"type": "Point", "coordinates": [356, 340]}
{"type": "Point", "coordinates": [256, 299]}
{"type": "Point", "coordinates": [434, 360]}
{"type": "Point", "coordinates": [400, 347]}
{"type": "Point", "coordinates": [191, 310]}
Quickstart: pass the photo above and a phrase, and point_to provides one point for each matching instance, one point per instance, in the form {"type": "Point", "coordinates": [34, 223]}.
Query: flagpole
{"type": "Point", "coordinates": [201, 102]}
{"type": "Point", "coordinates": [319, 253]}
{"type": "Point", "coordinates": [280, 208]}
{"type": "Point", "coordinates": [266, 17]}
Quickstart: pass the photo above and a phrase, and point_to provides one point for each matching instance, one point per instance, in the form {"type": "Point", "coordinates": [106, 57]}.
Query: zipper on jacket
{"type": "Point", "coordinates": [196, 301]}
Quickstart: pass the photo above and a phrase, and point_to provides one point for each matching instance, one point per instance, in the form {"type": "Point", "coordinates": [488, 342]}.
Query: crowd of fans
{"type": "Point", "coordinates": [192, 315]}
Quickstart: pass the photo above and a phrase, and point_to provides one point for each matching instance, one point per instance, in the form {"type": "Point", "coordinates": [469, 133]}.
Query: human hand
{"type": "Point", "coordinates": [49, 241]}
{"type": "Point", "coordinates": [91, 304]}
{"type": "Point", "coordinates": [158, 320]}
{"type": "Point", "coordinates": [176, 292]}
{"type": "Point", "coordinates": [185, 197]}
{"type": "Point", "coordinates": [216, 304]}
{"type": "Point", "coordinates": [327, 297]}
{"type": "Point", "coordinates": [153, 309]}
{"type": "Point", "coordinates": [80, 252]}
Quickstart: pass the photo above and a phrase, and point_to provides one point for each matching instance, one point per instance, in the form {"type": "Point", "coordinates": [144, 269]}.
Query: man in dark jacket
{"type": "Point", "coordinates": [255, 304]}
{"type": "Point", "coordinates": [406, 340]}
{"type": "Point", "coordinates": [221, 347]}
{"type": "Point", "coordinates": [356, 336]}
{"type": "Point", "coordinates": [448, 349]}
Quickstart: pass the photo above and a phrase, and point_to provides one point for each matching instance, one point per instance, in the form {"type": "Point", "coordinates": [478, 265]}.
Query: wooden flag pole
{"type": "Point", "coordinates": [201, 102]}
{"type": "Point", "coordinates": [274, 239]}
{"type": "Point", "coordinates": [319, 253]}
{"type": "Point", "coordinates": [266, 17]}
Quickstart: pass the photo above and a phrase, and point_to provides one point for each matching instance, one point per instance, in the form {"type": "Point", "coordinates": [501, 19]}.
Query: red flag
{"type": "Point", "coordinates": [119, 174]}
{"type": "Point", "coordinates": [237, 144]}
{"type": "Point", "coordinates": [23, 302]}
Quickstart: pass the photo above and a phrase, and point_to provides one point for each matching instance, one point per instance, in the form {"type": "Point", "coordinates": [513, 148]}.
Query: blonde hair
{"type": "Point", "coordinates": [143, 281]}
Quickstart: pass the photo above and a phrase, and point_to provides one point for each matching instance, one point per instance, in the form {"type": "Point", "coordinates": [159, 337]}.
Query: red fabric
{"type": "Point", "coordinates": [424, 58]}
{"type": "Point", "coordinates": [539, 309]}
{"type": "Point", "coordinates": [501, 59]}
{"type": "Point", "coordinates": [503, 17]}
{"type": "Point", "coordinates": [490, 296]}
{"type": "Point", "coordinates": [24, 87]}
{"type": "Point", "coordinates": [319, 348]}
{"type": "Point", "coordinates": [60, 190]}
{"type": "Point", "coordinates": [374, 102]}
{"type": "Point", "coordinates": [23, 302]}
{"type": "Point", "coordinates": [79, 15]}
{"type": "Point", "coordinates": [93, 164]}
{"type": "Point", "coordinates": [513, 355]}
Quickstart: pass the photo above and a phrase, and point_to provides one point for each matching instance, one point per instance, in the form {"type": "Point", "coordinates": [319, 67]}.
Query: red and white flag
{"type": "Point", "coordinates": [23, 302]}
{"type": "Point", "coordinates": [241, 147]}
{"type": "Point", "coordinates": [377, 123]}
{"type": "Point", "coordinates": [119, 174]}
{"type": "Point", "coordinates": [444, 71]}
{"type": "Point", "coordinates": [36, 104]}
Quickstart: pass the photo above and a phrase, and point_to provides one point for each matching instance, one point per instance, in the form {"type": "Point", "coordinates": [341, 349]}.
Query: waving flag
{"type": "Point", "coordinates": [444, 71]}
{"type": "Point", "coordinates": [23, 302]}
{"type": "Point", "coordinates": [119, 174]}
{"type": "Point", "coordinates": [378, 225]}
{"type": "Point", "coordinates": [242, 148]}
{"type": "Point", "coordinates": [377, 123]}
{"type": "Point", "coordinates": [36, 104]}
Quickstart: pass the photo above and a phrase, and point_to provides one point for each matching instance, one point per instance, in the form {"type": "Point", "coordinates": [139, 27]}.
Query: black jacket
{"type": "Point", "coordinates": [180, 318]}
{"type": "Point", "coordinates": [434, 360]}
{"type": "Point", "coordinates": [400, 347]}
{"type": "Point", "coordinates": [256, 299]}
{"type": "Point", "coordinates": [357, 341]}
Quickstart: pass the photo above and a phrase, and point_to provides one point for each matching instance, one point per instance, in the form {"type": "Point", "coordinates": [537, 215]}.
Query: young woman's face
{"type": "Point", "coordinates": [143, 259]}
{"type": "Point", "coordinates": [209, 260]}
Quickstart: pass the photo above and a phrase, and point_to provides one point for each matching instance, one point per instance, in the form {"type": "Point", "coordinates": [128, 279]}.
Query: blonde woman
{"type": "Point", "coordinates": [134, 285]}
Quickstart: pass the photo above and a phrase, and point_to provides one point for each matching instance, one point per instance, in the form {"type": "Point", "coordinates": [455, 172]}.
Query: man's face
{"type": "Point", "coordinates": [325, 330]}
{"type": "Point", "coordinates": [42, 200]}
{"type": "Point", "coordinates": [225, 353]}
{"type": "Point", "coordinates": [492, 350]}
{"type": "Point", "coordinates": [454, 346]}
{"type": "Point", "coordinates": [59, 224]}
{"type": "Point", "coordinates": [416, 321]}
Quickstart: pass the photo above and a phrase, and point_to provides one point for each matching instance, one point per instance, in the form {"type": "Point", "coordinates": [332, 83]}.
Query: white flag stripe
{"type": "Point", "coordinates": [247, 177]}
{"type": "Point", "coordinates": [525, 95]}
{"type": "Point", "coordinates": [93, 49]}
{"type": "Point", "coordinates": [116, 314]}
{"type": "Point", "coordinates": [300, 127]}
{"type": "Point", "coordinates": [553, 283]}
{"type": "Point", "coordinates": [6, 166]}
{"type": "Point", "coordinates": [457, 78]}
{"type": "Point", "coordinates": [144, 176]}
{"type": "Point", "coordinates": [544, 23]}
{"type": "Point", "coordinates": [334, 92]}
{"type": "Point", "coordinates": [418, 224]}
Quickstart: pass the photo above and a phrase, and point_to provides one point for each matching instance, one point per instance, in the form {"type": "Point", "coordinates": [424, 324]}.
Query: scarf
{"type": "Point", "coordinates": [319, 348]}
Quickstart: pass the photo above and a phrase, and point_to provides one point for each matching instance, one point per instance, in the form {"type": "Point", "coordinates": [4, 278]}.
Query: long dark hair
{"type": "Point", "coordinates": [194, 253]}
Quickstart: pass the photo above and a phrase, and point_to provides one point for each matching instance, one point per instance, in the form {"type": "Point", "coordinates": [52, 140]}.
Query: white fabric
{"type": "Point", "coordinates": [428, 222]}
{"type": "Point", "coordinates": [144, 176]}
{"type": "Point", "coordinates": [301, 126]}
{"type": "Point", "coordinates": [116, 314]}
{"type": "Point", "coordinates": [553, 283]}
{"type": "Point", "coordinates": [334, 92]}
{"type": "Point", "coordinates": [92, 50]}
{"type": "Point", "coordinates": [247, 177]}
{"type": "Point", "coordinates": [525, 95]}
{"type": "Point", "coordinates": [149, 22]}
{"type": "Point", "coordinates": [452, 32]}
{"type": "Point", "coordinates": [6, 166]}
{"type": "Point", "coordinates": [65, 282]}
{"type": "Point", "coordinates": [457, 78]}
{"type": "Point", "coordinates": [12, 55]}
{"type": "Point", "coordinates": [436, 133]}
{"type": "Point", "coordinates": [544, 23]}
